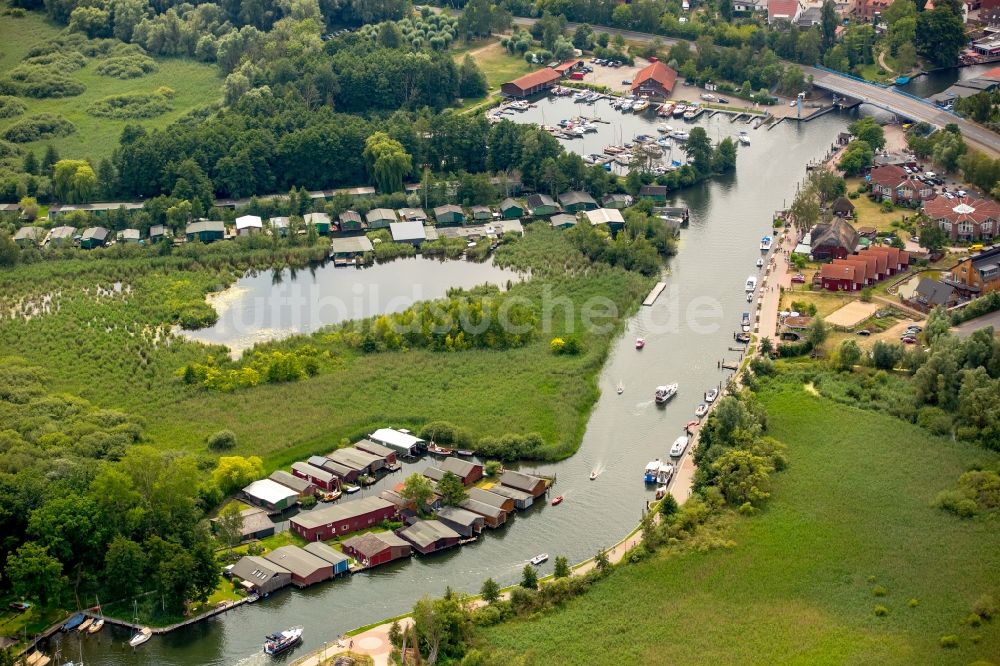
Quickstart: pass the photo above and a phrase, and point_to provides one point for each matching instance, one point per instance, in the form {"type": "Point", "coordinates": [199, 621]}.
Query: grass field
{"type": "Point", "coordinates": [852, 512]}
{"type": "Point", "coordinates": [194, 83]}
{"type": "Point", "coordinates": [870, 214]}
{"type": "Point", "coordinates": [498, 66]}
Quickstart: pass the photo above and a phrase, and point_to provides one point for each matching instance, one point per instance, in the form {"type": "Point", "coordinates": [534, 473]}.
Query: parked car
{"type": "Point", "coordinates": [799, 277]}
{"type": "Point", "coordinates": [864, 332]}
{"type": "Point", "coordinates": [909, 340]}
{"type": "Point", "coordinates": [626, 82]}
{"type": "Point", "coordinates": [723, 100]}
{"type": "Point", "coordinates": [914, 327]}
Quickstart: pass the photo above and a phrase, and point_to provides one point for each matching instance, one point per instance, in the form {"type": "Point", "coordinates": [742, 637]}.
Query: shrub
{"type": "Point", "coordinates": [10, 106]}
{"type": "Point", "coordinates": [39, 82]}
{"type": "Point", "coordinates": [881, 611]}
{"type": "Point", "coordinates": [949, 641]}
{"type": "Point", "coordinates": [223, 440]}
{"type": "Point", "coordinates": [879, 591]}
{"type": "Point", "coordinates": [38, 127]}
{"type": "Point", "coordinates": [913, 603]}
{"type": "Point", "coordinates": [130, 105]}
{"type": "Point", "coordinates": [934, 419]}
{"type": "Point", "coordinates": [58, 61]}
{"type": "Point", "coordinates": [973, 620]}
{"type": "Point", "coordinates": [126, 67]}
{"type": "Point", "coordinates": [493, 467]}
{"type": "Point", "coordinates": [985, 607]}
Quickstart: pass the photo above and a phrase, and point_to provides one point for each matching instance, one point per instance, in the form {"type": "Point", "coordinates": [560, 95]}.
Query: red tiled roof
{"type": "Point", "coordinates": [966, 209]}
{"type": "Point", "coordinates": [564, 67]}
{"type": "Point", "coordinates": [894, 177]}
{"type": "Point", "coordinates": [658, 72]}
{"type": "Point", "coordinates": [540, 77]}
{"type": "Point", "coordinates": [782, 8]}
{"type": "Point", "coordinates": [837, 272]}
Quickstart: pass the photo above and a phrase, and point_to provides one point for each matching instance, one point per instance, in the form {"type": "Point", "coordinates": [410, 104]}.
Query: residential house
{"type": "Point", "coordinates": [375, 548]}
{"type": "Point", "coordinates": [858, 275]}
{"type": "Point", "coordinates": [609, 216]}
{"type": "Point", "coordinates": [464, 522]}
{"type": "Point", "coordinates": [895, 260]}
{"type": "Point", "coordinates": [259, 575]}
{"type": "Point", "coordinates": [340, 562]}
{"type": "Point", "coordinates": [833, 240]}
{"type": "Point", "coordinates": [530, 84]}
{"type": "Point", "coordinates": [429, 536]}
{"type": "Point", "coordinates": [871, 10]}
{"type": "Point", "coordinates": [617, 200]}
{"type": "Point", "coordinates": [510, 209]}
{"type": "Point", "coordinates": [655, 80]}
{"type": "Point", "coordinates": [403, 443]}
{"type": "Point", "coordinates": [303, 487]}
{"type": "Point", "coordinates": [329, 522]}
{"type": "Point", "coordinates": [60, 235]}
{"type": "Point", "coordinates": [481, 213]}
{"type": "Point", "coordinates": [836, 277]}
{"type": "Point", "coordinates": [750, 6]}
{"type": "Point", "coordinates": [569, 66]}
{"type": "Point", "coordinates": [93, 237]}
{"type": "Point", "coordinates": [521, 499]}
{"type": "Point", "coordinates": [28, 236]}
{"type": "Point", "coordinates": [449, 214]}
{"type": "Point", "coordinates": [933, 293]}
{"type": "Point", "coordinates": [249, 224]}
{"type": "Point", "coordinates": [412, 215]}
{"type": "Point", "coordinates": [469, 472]}
{"type": "Point", "coordinates": [542, 205]}
{"type": "Point", "coordinates": [493, 517]}
{"type": "Point", "coordinates": [206, 231]}
{"type": "Point", "coordinates": [505, 504]}
{"type": "Point", "coordinates": [158, 232]}
{"type": "Point", "coordinates": [306, 569]}
{"type": "Point", "coordinates": [271, 495]}
{"type": "Point", "coordinates": [881, 263]}
{"type": "Point", "coordinates": [380, 218]}
{"type": "Point", "coordinates": [893, 183]}
{"type": "Point", "coordinates": [842, 207]}
{"type": "Point", "coordinates": [387, 455]}
{"type": "Point", "coordinates": [320, 477]}
{"type": "Point", "coordinates": [321, 221]}
{"type": "Point", "coordinates": [279, 226]}
{"type": "Point", "coordinates": [255, 524]}
{"type": "Point", "coordinates": [786, 10]}
{"type": "Point", "coordinates": [350, 220]}
{"type": "Point", "coordinates": [349, 248]}
{"type": "Point", "coordinates": [967, 218]}
{"type": "Point", "coordinates": [408, 232]}
{"type": "Point", "coordinates": [129, 236]}
{"type": "Point", "coordinates": [809, 17]}
{"type": "Point", "coordinates": [978, 274]}
{"type": "Point", "coordinates": [576, 201]}
{"type": "Point", "coordinates": [658, 193]}
{"type": "Point", "coordinates": [562, 221]}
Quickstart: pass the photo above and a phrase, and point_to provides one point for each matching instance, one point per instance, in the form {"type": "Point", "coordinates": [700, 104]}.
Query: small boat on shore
{"type": "Point", "coordinates": [701, 410]}
{"type": "Point", "coordinates": [692, 424]}
{"type": "Point", "coordinates": [538, 559]}
{"type": "Point", "coordinates": [439, 450]}
{"type": "Point", "coordinates": [141, 636]}
{"type": "Point", "coordinates": [640, 343]}
{"type": "Point", "coordinates": [277, 643]}
{"type": "Point", "coordinates": [85, 625]}
{"type": "Point", "coordinates": [557, 500]}
{"type": "Point", "coordinates": [664, 393]}
{"type": "Point", "coordinates": [711, 395]}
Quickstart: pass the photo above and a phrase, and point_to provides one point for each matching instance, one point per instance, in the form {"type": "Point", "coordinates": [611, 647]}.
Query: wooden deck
{"type": "Point", "coordinates": [655, 293]}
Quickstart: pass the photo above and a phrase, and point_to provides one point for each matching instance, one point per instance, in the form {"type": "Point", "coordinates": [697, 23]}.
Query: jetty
{"type": "Point", "coordinates": [653, 295]}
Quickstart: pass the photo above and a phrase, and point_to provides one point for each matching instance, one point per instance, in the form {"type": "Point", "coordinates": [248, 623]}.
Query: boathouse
{"type": "Point", "coordinates": [158, 232]}
{"type": "Point", "coordinates": [412, 233]}
{"type": "Point", "coordinates": [430, 536]}
{"type": "Point", "coordinates": [255, 525]}
{"type": "Point", "coordinates": [324, 524]}
{"type": "Point", "coordinates": [303, 487]}
{"type": "Point", "coordinates": [205, 231]}
{"type": "Point", "coordinates": [492, 516]}
{"type": "Point", "coordinates": [506, 504]}
{"type": "Point", "coordinates": [481, 213]}
{"type": "Point", "coordinates": [524, 482]}
{"type": "Point", "coordinates": [658, 193]}
{"type": "Point", "coordinates": [576, 201]}
{"type": "Point", "coordinates": [562, 221]}
{"type": "Point", "coordinates": [617, 200]}
{"type": "Point", "coordinates": [27, 236]}
{"type": "Point", "coordinates": [402, 504]}
{"type": "Point", "coordinates": [93, 237]}
{"type": "Point", "coordinates": [257, 574]}
{"type": "Point", "coordinates": [350, 220]}
{"type": "Point", "coordinates": [279, 226]}
{"type": "Point", "coordinates": [319, 220]}
{"type": "Point", "coordinates": [403, 443]}
{"type": "Point", "coordinates": [412, 215]}
{"type": "Point", "coordinates": [521, 499]}
{"type": "Point", "coordinates": [654, 80]}
{"type": "Point", "coordinates": [510, 209]}
{"type": "Point", "coordinates": [383, 452]}
{"type": "Point", "coordinates": [612, 217]}
{"type": "Point", "coordinates": [469, 472]}
{"type": "Point", "coordinates": [247, 225]}
{"type": "Point", "coordinates": [346, 248]}
{"type": "Point", "coordinates": [433, 473]}
{"type": "Point", "coordinates": [464, 522]}
{"type": "Point", "coordinates": [322, 478]}
{"type": "Point", "coordinates": [366, 463]}
{"type": "Point", "coordinates": [342, 472]}
{"type": "Point", "coordinates": [532, 83]}
{"type": "Point", "coordinates": [271, 495]}
{"type": "Point", "coordinates": [542, 205]}
{"type": "Point", "coordinates": [380, 218]}
{"type": "Point", "coordinates": [306, 568]}
{"type": "Point", "coordinates": [375, 548]}
{"type": "Point", "coordinates": [60, 235]}
{"type": "Point", "coordinates": [449, 214]}
{"type": "Point", "coordinates": [341, 563]}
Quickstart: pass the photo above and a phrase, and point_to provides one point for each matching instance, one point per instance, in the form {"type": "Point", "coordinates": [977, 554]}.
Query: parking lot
{"type": "Point", "coordinates": [612, 77]}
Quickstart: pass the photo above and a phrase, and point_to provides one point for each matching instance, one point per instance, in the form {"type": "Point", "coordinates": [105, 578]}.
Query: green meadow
{"type": "Point", "coordinates": [194, 84]}
{"type": "Point", "coordinates": [799, 585]}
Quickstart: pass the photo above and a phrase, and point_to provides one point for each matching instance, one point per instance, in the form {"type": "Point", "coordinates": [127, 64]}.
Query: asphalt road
{"type": "Point", "coordinates": [902, 105]}
{"type": "Point", "coordinates": [967, 329]}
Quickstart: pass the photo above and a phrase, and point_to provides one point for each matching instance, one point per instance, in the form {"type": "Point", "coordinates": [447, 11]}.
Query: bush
{"type": "Point", "coordinates": [879, 591]}
{"type": "Point", "coordinates": [881, 611]}
{"type": "Point", "coordinates": [126, 67]}
{"type": "Point", "coordinates": [10, 106]}
{"type": "Point", "coordinates": [913, 603]}
{"type": "Point", "coordinates": [59, 61]}
{"type": "Point", "coordinates": [985, 607]}
{"type": "Point", "coordinates": [949, 641]}
{"type": "Point", "coordinates": [223, 440]}
{"type": "Point", "coordinates": [39, 82]}
{"type": "Point", "coordinates": [511, 446]}
{"type": "Point", "coordinates": [38, 127]}
{"type": "Point", "coordinates": [130, 105]}
{"type": "Point", "coordinates": [934, 419]}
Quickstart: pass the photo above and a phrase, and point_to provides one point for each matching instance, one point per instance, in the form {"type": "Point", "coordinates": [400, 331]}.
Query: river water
{"type": "Point", "coordinates": [688, 330]}
{"type": "Point", "coordinates": [938, 80]}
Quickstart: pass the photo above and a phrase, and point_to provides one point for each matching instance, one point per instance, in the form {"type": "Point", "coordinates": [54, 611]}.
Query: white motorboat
{"type": "Point", "coordinates": [679, 111]}
{"type": "Point", "coordinates": [760, 262]}
{"type": "Point", "coordinates": [664, 393]}
{"type": "Point", "coordinates": [620, 388]}
{"type": "Point", "coordinates": [141, 636]}
{"type": "Point", "coordinates": [744, 138]}
{"type": "Point", "coordinates": [640, 106]}
{"type": "Point", "coordinates": [765, 243]}
{"type": "Point", "coordinates": [664, 473]}
{"type": "Point", "coordinates": [677, 450]}
{"type": "Point", "coordinates": [277, 643]}
{"type": "Point", "coordinates": [711, 395]}
{"type": "Point", "coordinates": [680, 135]}
{"type": "Point", "coordinates": [538, 559]}
{"type": "Point", "coordinates": [701, 410]}
{"type": "Point", "coordinates": [751, 284]}
{"type": "Point", "coordinates": [651, 471]}
{"type": "Point", "coordinates": [664, 128]}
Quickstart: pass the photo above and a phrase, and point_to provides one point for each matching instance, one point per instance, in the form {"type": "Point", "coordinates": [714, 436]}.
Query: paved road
{"type": "Point", "coordinates": [902, 105]}
{"type": "Point", "coordinates": [967, 329]}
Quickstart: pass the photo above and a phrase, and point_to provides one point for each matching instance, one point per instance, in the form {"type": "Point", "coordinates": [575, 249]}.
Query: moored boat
{"type": "Point", "coordinates": [751, 283]}
{"type": "Point", "coordinates": [465, 453]}
{"type": "Point", "coordinates": [711, 395]}
{"type": "Point", "coordinates": [701, 410]}
{"type": "Point", "coordinates": [85, 625]}
{"type": "Point", "coordinates": [640, 343]}
{"type": "Point", "coordinates": [538, 559]}
{"type": "Point", "coordinates": [640, 106]}
{"type": "Point", "coordinates": [765, 243]}
{"type": "Point", "coordinates": [557, 500]}
{"type": "Point", "coordinates": [677, 450]}
{"type": "Point", "coordinates": [285, 640]}
{"type": "Point", "coordinates": [96, 625]}
{"type": "Point", "coordinates": [141, 636]}
{"type": "Point", "coordinates": [439, 450]}
{"type": "Point", "coordinates": [760, 262]}
{"type": "Point", "coordinates": [744, 138]}
{"type": "Point", "coordinates": [652, 468]}
{"type": "Point", "coordinates": [680, 135]}
{"type": "Point", "coordinates": [664, 393]}
{"type": "Point", "coordinates": [679, 111]}
{"type": "Point", "coordinates": [743, 337]}
{"type": "Point", "coordinates": [73, 622]}
{"type": "Point", "coordinates": [664, 473]}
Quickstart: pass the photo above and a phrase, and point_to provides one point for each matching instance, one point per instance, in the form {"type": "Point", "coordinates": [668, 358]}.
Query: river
{"type": "Point", "coordinates": [940, 79]}
{"type": "Point", "coordinates": [687, 331]}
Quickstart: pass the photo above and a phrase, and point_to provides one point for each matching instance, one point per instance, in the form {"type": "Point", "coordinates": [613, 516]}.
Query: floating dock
{"type": "Point", "coordinates": [653, 295]}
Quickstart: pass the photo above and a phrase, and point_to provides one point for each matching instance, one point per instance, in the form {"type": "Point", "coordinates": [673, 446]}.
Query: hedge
{"type": "Point", "coordinates": [41, 126]}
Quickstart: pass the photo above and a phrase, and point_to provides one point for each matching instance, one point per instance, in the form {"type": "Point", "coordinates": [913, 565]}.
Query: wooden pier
{"type": "Point", "coordinates": [730, 365]}
{"type": "Point", "coordinates": [653, 295]}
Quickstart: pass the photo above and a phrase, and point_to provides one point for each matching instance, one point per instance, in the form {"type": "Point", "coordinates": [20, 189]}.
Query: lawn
{"type": "Point", "coordinates": [825, 301]}
{"type": "Point", "coordinates": [852, 512]}
{"type": "Point", "coordinates": [870, 213]}
{"type": "Point", "coordinates": [497, 65]}
{"type": "Point", "coordinates": [194, 84]}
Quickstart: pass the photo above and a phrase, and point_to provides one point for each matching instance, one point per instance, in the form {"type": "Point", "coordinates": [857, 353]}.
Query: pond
{"type": "Point", "coordinates": [273, 305]}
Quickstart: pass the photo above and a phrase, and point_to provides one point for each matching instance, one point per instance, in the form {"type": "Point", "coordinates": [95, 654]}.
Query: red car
{"type": "Point", "coordinates": [908, 340]}
{"type": "Point", "coordinates": [799, 277]}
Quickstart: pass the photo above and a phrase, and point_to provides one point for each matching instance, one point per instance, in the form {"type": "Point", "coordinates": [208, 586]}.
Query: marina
{"type": "Point", "coordinates": [623, 433]}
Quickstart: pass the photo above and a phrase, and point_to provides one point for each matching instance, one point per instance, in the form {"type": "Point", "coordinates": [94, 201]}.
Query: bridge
{"type": "Point", "coordinates": [893, 101]}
